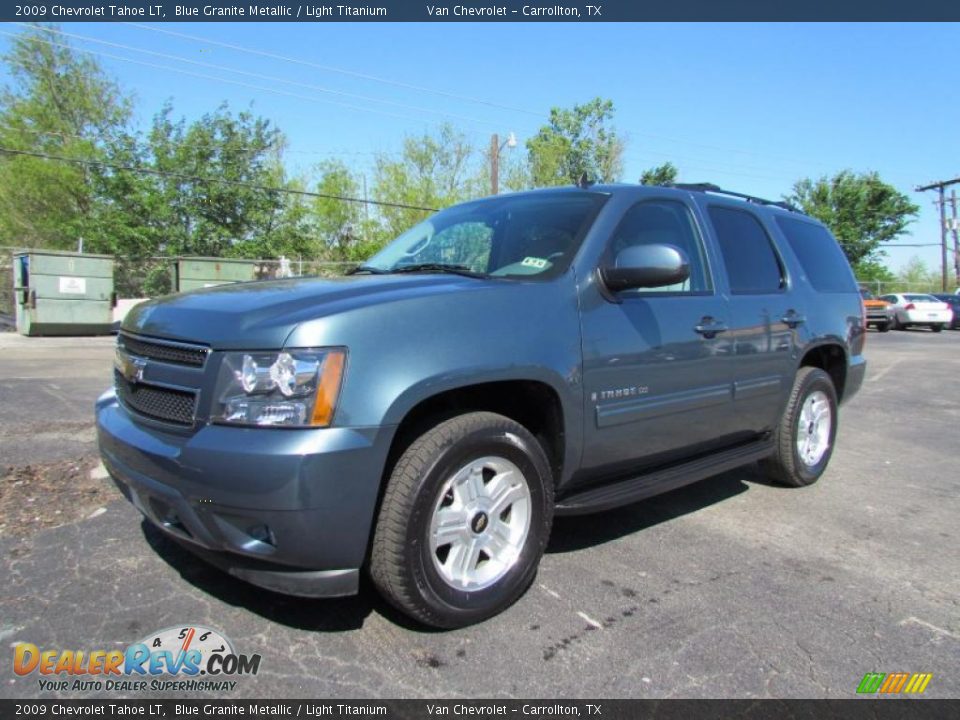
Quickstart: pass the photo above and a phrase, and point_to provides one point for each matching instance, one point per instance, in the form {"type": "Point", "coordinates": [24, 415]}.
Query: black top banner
{"type": "Point", "coordinates": [507, 11]}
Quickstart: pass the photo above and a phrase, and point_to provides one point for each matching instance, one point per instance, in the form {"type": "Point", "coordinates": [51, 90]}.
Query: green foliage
{"type": "Point", "coordinates": [873, 270]}
{"type": "Point", "coordinates": [861, 210]}
{"type": "Point", "coordinates": [434, 171]}
{"type": "Point", "coordinates": [58, 104]}
{"type": "Point", "coordinates": [205, 218]}
{"type": "Point", "coordinates": [576, 141]}
{"type": "Point", "coordinates": [338, 224]}
{"type": "Point", "coordinates": [665, 174]}
{"type": "Point", "coordinates": [915, 276]}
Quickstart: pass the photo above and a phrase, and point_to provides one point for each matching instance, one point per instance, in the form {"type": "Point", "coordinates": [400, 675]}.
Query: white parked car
{"type": "Point", "coordinates": [908, 309]}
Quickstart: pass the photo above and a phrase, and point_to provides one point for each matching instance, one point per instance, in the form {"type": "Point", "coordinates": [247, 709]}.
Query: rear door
{"type": "Point", "coordinates": [764, 317]}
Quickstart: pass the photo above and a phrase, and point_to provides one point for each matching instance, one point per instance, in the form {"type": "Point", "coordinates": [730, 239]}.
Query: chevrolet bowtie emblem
{"type": "Point", "coordinates": [130, 367]}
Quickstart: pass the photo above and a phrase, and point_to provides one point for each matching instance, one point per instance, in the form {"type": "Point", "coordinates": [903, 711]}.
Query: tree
{"type": "Point", "coordinates": [213, 195]}
{"type": "Point", "coordinates": [338, 223]}
{"type": "Point", "coordinates": [861, 210]}
{"type": "Point", "coordinates": [59, 103]}
{"type": "Point", "coordinates": [917, 277]}
{"type": "Point", "coordinates": [665, 174]}
{"type": "Point", "coordinates": [434, 171]}
{"type": "Point", "coordinates": [873, 270]}
{"type": "Point", "coordinates": [576, 141]}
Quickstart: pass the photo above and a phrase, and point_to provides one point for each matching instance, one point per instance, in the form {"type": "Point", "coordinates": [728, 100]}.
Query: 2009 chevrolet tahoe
{"type": "Point", "coordinates": [557, 351]}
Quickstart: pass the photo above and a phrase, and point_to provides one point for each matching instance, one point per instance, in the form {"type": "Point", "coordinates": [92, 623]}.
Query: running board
{"type": "Point", "coordinates": [624, 492]}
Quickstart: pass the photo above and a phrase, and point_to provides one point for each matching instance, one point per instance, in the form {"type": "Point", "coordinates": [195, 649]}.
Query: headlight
{"type": "Point", "coordinates": [293, 388]}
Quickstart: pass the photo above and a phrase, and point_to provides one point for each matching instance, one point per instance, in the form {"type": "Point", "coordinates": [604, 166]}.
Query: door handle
{"type": "Point", "coordinates": [708, 327]}
{"type": "Point", "coordinates": [792, 319]}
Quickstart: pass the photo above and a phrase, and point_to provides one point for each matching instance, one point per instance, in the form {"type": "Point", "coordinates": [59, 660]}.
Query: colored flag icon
{"type": "Point", "coordinates": [894, 683]}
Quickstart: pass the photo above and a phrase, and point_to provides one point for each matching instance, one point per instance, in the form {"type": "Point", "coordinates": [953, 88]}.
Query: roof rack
{"type": "Point", "coordinates": [711, 188]}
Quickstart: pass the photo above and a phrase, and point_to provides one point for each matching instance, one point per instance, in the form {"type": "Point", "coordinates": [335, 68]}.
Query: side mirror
{"type": "Point", "coordinates": [646, 266]}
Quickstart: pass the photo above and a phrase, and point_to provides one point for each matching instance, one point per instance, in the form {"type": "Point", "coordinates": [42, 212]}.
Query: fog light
{"type": "Point", "coordinates": [262, 533]}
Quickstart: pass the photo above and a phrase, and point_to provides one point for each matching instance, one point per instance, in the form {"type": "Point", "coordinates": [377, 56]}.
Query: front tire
{"type": "Point", "coordinates": [465, 518]}
{"type": "Point", "coordinates": [805, 436]}
{"type": "Point", "coordinates": [883, 327]}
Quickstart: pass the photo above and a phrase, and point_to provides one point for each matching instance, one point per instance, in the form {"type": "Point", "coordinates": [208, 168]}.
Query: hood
{"type": "Point", "coordinates": [875, 303]}
{"type": "Point", "coordinates": [261, 315]}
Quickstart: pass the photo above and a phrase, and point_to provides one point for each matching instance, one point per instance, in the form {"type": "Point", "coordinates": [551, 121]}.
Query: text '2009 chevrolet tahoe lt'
{"type": "Point", "coordinates": [551, 352]}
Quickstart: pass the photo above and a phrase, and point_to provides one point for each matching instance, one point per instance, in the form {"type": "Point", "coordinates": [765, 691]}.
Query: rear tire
{"type": "Point", "coordinates": [937, 328]}
{"type": "Point", "coordinates": [805, 436]}
{"type": "Point", "coordinates": [465, 519]}
{"type": "Point", "coordinates": [883, 327]}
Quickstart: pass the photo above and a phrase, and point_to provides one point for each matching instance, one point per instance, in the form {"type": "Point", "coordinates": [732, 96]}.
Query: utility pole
{"type": "Point", "coordinates": [940, 187]}
{"type": "Point", "coordinates": [494, 164]}
{"type": "Point", "coordinates": [496, 147]}
{"type": "Point", "coordinates": [954, 226]}
{"type": "Point", "coordinates": [366, 208]}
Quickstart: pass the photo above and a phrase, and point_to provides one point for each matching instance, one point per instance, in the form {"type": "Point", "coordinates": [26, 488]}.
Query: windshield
{"type": "Point", "coordinates": [534, 235]}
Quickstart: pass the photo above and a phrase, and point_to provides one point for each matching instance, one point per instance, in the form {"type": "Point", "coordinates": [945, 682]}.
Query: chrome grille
{"type": "Point", "coordinates": [159, 403]}
{"type": "Point", "coordinates": [168, 352]}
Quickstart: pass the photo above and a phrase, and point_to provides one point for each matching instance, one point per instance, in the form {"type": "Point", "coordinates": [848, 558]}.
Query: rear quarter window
{"type": "Point", "coordinates": [819, 254]}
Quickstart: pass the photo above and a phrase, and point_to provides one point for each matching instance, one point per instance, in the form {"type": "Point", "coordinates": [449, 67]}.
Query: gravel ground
{"type": "Point", "coordinates": [728, 588]}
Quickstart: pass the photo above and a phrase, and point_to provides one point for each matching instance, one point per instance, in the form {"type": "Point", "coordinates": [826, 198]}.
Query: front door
{"type": "Point", "coordinates": [657, 377]}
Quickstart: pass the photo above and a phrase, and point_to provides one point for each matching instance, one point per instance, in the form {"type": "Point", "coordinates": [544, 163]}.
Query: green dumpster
{"type": "Point", "coordinates": [199, 272]}
{"type": "Point", "coordinates": [63, 293]}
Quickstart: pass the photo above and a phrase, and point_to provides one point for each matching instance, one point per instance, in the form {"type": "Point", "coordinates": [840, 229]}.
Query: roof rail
{"type": "Point", "coordinates": [711, 188]}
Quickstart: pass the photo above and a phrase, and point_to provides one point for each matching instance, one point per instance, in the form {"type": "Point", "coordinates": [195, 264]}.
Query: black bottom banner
{"type": "Point", "coordinates": [854, 709]}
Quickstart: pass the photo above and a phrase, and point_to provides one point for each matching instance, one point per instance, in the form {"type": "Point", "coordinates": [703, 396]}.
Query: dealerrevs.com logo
{"type": "Point", "coordinates": [187, 658]}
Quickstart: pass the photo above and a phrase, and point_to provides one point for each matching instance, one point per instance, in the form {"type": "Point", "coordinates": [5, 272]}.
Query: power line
{"type": "Point", "coordinates": [222, 181]}
{"type": "Point", "coordinates": [203, 76]}
{"type": "Point", "coordinates": [259, 76]}
{"type": "Point", "coordinates": [306, 63]}
{"type": "Point", "coordinates": [341, 71]}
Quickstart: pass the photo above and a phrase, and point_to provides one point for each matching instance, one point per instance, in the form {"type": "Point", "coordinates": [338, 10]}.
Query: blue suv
{"type": "Point", "coordinates": [552, 352]}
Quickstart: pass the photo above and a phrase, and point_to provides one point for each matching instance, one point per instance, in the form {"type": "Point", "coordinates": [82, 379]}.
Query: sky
{"type": "Point", "coordinates": [751, 107]}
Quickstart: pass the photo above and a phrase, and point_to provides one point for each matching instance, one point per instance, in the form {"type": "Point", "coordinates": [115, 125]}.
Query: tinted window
{"type": "Point", "coordinates": [748, 255]}
{"type": "Point", "coordinates": [819, 254]}
{"type": "Point", "coordinates": [664, 222]}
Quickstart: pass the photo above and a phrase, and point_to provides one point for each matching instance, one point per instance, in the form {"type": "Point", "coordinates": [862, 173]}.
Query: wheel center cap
{"type": "Point", "coordinates": [479, 522]}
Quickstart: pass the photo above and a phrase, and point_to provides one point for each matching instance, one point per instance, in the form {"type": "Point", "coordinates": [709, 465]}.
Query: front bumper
{"type": "Point", "coordinates": [287, 509]}
{"type": "Point", "coordinates": [877, 316]}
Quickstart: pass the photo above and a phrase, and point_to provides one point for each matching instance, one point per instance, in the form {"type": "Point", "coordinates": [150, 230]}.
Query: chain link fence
{"type": "Point", "coordinates": [882, 287]}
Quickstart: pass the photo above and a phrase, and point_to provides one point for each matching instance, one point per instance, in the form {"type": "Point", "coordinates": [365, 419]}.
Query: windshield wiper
{"type": "Point", "coordinates": [366, 269]}
{"type": "Point", "coordinates": [438, 268]}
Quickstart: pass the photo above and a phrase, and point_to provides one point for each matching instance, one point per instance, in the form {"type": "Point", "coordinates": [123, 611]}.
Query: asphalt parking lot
{"type": "Point", "coordinates": [729, 588]}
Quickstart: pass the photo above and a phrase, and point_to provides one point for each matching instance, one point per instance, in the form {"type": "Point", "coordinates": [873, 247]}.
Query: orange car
{"type": "Point", "coordinates": [877, 311]}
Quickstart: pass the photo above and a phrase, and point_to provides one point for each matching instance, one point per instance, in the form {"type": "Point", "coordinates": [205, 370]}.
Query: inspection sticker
{"type": "Point", "coordinates": [534, 262]}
